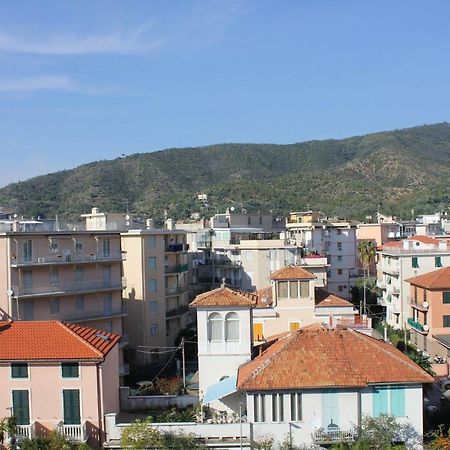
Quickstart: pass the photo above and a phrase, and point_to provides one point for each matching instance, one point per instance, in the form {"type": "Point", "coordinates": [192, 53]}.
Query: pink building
{"type": "Point", "coordinates": [56, 375]}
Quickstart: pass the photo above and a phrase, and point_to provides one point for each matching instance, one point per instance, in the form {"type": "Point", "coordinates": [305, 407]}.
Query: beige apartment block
{"type": "Point", "coordinates": [156, 297]}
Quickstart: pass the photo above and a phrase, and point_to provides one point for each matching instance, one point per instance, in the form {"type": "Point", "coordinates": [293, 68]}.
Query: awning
{"type": "Point", "coordinates": [221, 389]}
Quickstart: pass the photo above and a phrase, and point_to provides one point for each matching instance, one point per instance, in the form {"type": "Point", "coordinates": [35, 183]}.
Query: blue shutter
{"type": "Point", "coordinates": [330, 408]}
{"type": "Point", "coordinates": [398, 401]}
{"type": "Point", "coordinates": [379, 401]}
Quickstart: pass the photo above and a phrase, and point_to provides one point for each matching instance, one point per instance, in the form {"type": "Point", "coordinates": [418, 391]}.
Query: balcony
{"type": "Point", "coordinates": [420, 306]}
{"type": "Point", "coordinates": [423, 329]}
{"type": "Point", "coordinates": [69, 288]}
{"type": "Point", "coordinates": [175, 248]}
{"type": "Point", "coordinates": [24, 432]}
{"type": "Point", "coordinates": [177, 312]}
{"type": "Point", "coordinates": [124, 370]}
{"type": "Point", "coordinates": [91, 316]}
{"type": "Point", "coordinates": [74, 433]}
{"type": "Point", "coordinates": [174, 291]}
{"type": "Point", "coordinates": [392, 269]}
{"type": "Point", "coordinates": [75, 258]}
{"type": "Point", "coordinates": [227, 263]}
{"type": "Point", "coordinates": [176, 269]}
{"type": "Point", "coordinates": [334, 435]}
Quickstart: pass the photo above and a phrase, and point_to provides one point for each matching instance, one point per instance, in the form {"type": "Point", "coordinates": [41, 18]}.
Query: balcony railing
{"type": "Point", "coordinates": [176, 312]}
{"type": "Point", "coordinates": [68, 288]}
{"type": "Point", "coordinates": [176, 269]}
{"type": "Point", "coordinates": [73, 258]}
{"type": "Point", "coordinates": [90, 316]}
{"type": "Point", "coordinates": [417, 326]}
{"type": "Point", "coordinates": [177, 290]}
{"type": "Point", "coordinates": [322, 436]}
{"type": "Point", "coordinates": [74, 433]}
{"type": "Point", "coordinates": [177, 248]}
{"type": "Point", "coordinates": [24, 431]}
{"type": "Point", "coordinates": [227, 263]}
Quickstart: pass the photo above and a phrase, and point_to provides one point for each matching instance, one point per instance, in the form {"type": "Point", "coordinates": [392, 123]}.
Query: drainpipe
{"type": "Point", "coordinates": [99, 402]}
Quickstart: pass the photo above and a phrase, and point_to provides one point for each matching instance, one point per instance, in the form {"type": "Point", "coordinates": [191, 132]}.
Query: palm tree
{"type": "Point", "coordinates": [366, 253]}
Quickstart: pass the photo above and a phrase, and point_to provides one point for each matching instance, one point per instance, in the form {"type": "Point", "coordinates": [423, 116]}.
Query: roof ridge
{"type": "Point", "coordinates": [66, 326]}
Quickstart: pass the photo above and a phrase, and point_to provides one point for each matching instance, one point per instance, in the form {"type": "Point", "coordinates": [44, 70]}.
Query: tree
{"type": "Point", "coordinates": [141, 435]}
{"type": "Point", "coordinates": [366, 253]}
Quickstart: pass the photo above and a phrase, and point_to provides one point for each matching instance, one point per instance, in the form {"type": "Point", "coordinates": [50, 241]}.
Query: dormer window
{"type": "Point", "coordinates": [232, 327]}
{"type": "Point", "coordinates": [215, 327]}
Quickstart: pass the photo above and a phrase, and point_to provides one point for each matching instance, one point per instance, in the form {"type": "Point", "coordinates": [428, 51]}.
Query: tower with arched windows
{"type": "Point", "coordinates": [224, 329]}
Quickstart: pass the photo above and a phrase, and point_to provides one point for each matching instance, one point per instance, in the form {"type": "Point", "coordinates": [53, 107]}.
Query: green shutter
{"type": "Point", "coordinates": [19, 370]}
{"type": "Point", "coordinates": [21, 407]}
{"type": "Point", "coordinates": [437, 261]}
{"type": "Point", "coordinates": [70, 370]}
{"type": "Point", "coordinates": [71, 399]}
{"type": "Point", "coordinates": [379, 401]}
{"type": "Point", "coordinates": [415, 262]}
{"type": "Point", "coordinates": [446, 321]}
{"type": "Point", "coordinates": [446, 297]}
{"type": "Point", "coordinates": [398, 401]}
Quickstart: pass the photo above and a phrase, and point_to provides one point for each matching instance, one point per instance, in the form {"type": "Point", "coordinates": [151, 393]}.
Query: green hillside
{"type": "Point", "coordinates": [398, 170]}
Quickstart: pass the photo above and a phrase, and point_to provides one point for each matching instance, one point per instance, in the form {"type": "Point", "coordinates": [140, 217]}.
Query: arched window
{"type": "Point", "coordinates": [232, 327]}
{"type": "Point", "coordinates": [215, 327]}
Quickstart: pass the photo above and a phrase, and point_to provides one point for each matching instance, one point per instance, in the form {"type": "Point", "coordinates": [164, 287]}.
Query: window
{"type": "Point", "coordinates": [79, 274]}
{"type": "Point", "coordinates": [53, 246]}
{"type": "Point", "coordinates": [19, 370]}
{"type": "Point", "coordinates": [106, 247]}
{"type": "Point", "coordinates": [27, 250]}
{"type": "Point", "coordinates": [151, 240]}
{"type": "Point", "coordinates": [283, 289]}
{"type": "Point", "coordinates": [388, 400]}
{"type": "Point", "coordinates": [446, 320]}
{"type": "Point", "coordinates": [28, 310]}
{"type": "Point", "coordinates": [79, 302]}
{"type": "Point", "coordinates": [437, 261]}
{"type": "Point", "coordinates": [446, 297]}
{"type": "Point", "coordinates": [304, 289]}
{"type": "Point", "coordinates": [249, 220]}
{"type": "Point", "coordinates": [296, 406]}
{"type": "Point", "coordinates": [340, 288]}
{"type": "Point", "coordinates": [258, 331]}
{"type": "Point", "coordinates": [152, 287]}
{"type": "Point", "coordinates": [107, 304]}
{"type": "Point", "coordinates": [339, 271]}
{"type": "Point", "coordinates": [339, 246]}
{"type": "Point", "coordinates": [71, 407]}
{"type": "Point", "coordinates": [330, 408]}
{"type": "Point", "coordinates": [53, 275]}
{"type": "Point", "coordinates": [152, 262]}
{"type": "Point", "coordinates": [21, 407]}
{"type": "Point", "coordinates": [415, 262]}
{"type": "Point", "coordinates": [260, 220]}
{"type": "Point", "coordinates": [215, 327]}
{"type": "Point", "coordinates": [154, 329]}
{"type": "Point", "coordinates": [339, 258]}
{"type": "Point", "coordinates": [54, 306]}
{"type": "Point", "coordinates": [293, 289]}
{"type": "Point", "coordinates": [232, 327]}
{"type": "Point", "coordinates": [294, 326]}
{"type": "Point", "coordinates": [70, 370]}
{"type": "Point", "coordinates": [339, 232]}
{"type": "Point", "coordinates": [277, 408]}
{"type": "Point", "coordinates": [424, 295]}
{"type": "Point", "coordinates": [259, 410]}
{"type": "Point", "coordinates": [153, 307]}
{"type": "Point", "coordinates": [78, 245]}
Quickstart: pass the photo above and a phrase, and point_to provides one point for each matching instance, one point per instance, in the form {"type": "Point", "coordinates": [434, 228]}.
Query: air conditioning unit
{"type": "Point", "coordinates": [41, 260]}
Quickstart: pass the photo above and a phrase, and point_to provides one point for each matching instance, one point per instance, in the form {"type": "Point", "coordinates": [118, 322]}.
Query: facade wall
{"type": "Point", "coordinates": [110, 382]}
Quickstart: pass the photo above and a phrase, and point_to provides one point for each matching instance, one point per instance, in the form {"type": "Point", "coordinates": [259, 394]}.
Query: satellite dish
{"type": "Point", "coordinates": [232, 208]}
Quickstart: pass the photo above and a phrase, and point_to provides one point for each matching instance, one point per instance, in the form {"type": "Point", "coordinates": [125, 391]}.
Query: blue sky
{"type": "Point", "coordinates": [89, 80]}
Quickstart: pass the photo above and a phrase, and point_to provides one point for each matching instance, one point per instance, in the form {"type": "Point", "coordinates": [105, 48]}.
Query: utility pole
{"type": "Point", "coordinates": [183, 362]}
{"type": "Point", "coordinates": [365, 300]}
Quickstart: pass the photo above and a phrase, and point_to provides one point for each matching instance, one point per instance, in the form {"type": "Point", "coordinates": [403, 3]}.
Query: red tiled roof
{"type": "Point", "coordinates": [264, 297]}
{"type": "Point", "coordinates": [318, 357]}
{"type": "Point", "coordinates": [53, 340]}
{"type": "Point", "coordinates": [325, 299]}
{"type": "Point", "coordinates": [438, 279]}
{"type": "Point", "coordinates": [292, 273]}
{"type": "Point", "coordinates": [225, 296]}
{"type": "Point", "coordinates": [424, 239]}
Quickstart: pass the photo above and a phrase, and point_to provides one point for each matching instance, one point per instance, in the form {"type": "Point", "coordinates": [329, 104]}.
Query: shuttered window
{"type": "Point", "coordinates": [446, 297]}
{"type": "Point", "coordinates": [330, 408]}
{"type": "Point", "coordinates": [71, 401]}
{"type": "Point", "coordinates": [19, 370]}
{"type": "Point", "coordinates": [304, 289]}
{"type": "Point", "coordinates": [70, 370]}
{"type": "Point", "coordinates": [398, 401]}
{"type": "Point", "coordinates": [380, 401]}
{"type": "Point", "coordinates": [21, 407]}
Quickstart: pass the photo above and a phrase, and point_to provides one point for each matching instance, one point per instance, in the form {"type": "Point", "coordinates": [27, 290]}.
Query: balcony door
{"type": "Point", "coordinates": [27, 281]}
{"type": "Point", "coordinates": [71, 406]}
{"type": "Point", "coordinates": [21, 406]}
{"type": "Point", "coordinates": [106, 276]}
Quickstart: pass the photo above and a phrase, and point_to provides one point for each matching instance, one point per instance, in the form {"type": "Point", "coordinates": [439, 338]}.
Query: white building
{"type": "Point", "coordinates": [400, 260]}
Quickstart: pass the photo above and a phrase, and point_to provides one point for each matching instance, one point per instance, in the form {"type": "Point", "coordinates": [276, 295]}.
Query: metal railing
{"type": "Point", "coordinates": [176, 290]}
{"type": "Point", "coordinates": [334, 435]}
{"type": "Point", "coordinates": [177, 248]}
{"type": "Point", "coordinates": [67, 259]}
{"type": "Point", "coordinates": [179, 311]}
{"type": "Point", "coordinates": [176, 269]}
{"type": "Point", "coordinates": [70, 287]}
{"type": "Point", "coordinates": [227, 263]}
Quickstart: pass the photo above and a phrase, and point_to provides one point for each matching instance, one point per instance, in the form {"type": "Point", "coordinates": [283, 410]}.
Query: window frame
{"type": "Point", "coordinates": [16, 366]}
{"type": "Point", "coordinates": [71, 365]}
{"type": "Point", "coordinates": [232, 318]}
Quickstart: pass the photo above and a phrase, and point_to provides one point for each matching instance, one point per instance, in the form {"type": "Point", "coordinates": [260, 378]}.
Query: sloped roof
{"type": "Point", "coordinates": [292, 273]}
{"type": "Point", "coordinates": [438, 279]}
{"type": "Point", "coordinates": [53, 340]}
{"type": "Point", "coordinates": [319, 357]}
{"type": "Point", "coordinates": [225, 296]}
{"type": "Point", "coordinates": [265, 299]}
{"type": "Point", "coordinates": [325, 299]}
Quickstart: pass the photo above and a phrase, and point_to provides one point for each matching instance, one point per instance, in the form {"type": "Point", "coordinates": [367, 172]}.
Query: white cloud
{"type": "Point", "coordinates": [48, 83]}
{"type": "Point", "coordinates": [119, 42]}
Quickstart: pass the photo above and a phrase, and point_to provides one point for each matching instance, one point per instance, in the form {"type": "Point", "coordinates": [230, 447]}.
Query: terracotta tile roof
{"type": "Point", "coordinates": [325, 299]}
{"type": "Point", "coordinates": [225, 296]}
{"type": "Point", "coordinates": [265, 299]}
{"type": "Point", "coordinates": [53, 340]}
{"type": "Point", "coordinates": [424, 239]}
{"type": "Point", "coordinates": [438, 279]}
{"type": "Point", "coordinates": [318, 357]}
{"type": "Point", "coordinates": [292, 273]}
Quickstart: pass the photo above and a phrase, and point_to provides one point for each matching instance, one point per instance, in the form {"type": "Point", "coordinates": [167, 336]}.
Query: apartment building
{"type": "Point", "coordinates": [401, 260]}
{"type": "Point", "coordinates": [333, 238]}
{"type": "Point", "coordinates": [156, 296]}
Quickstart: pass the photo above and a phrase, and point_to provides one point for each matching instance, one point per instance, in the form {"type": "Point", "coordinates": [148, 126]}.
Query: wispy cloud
{"type": "Point", "coordinates": [119, 42]}
{"type": "Point", "coordinates": [48, 83]}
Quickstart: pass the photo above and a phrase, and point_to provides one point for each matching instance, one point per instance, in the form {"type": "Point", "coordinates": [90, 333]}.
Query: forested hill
{"type": "Point", "coordinates": [398, 170]}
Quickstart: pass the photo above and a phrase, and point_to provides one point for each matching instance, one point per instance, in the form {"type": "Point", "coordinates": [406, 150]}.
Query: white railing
{"type": "Point", "coordinates": [76, 433]}
{"type": "Point", "coordinates": [334, 435]}
{"type": "Point", "coordinates": [24, 431]}
{"type": "Point", "coordinates": [67, 259]}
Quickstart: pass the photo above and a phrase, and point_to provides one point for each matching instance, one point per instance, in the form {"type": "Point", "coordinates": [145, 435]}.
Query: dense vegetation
{"type": "Point", "coordinates": [397, 170]}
